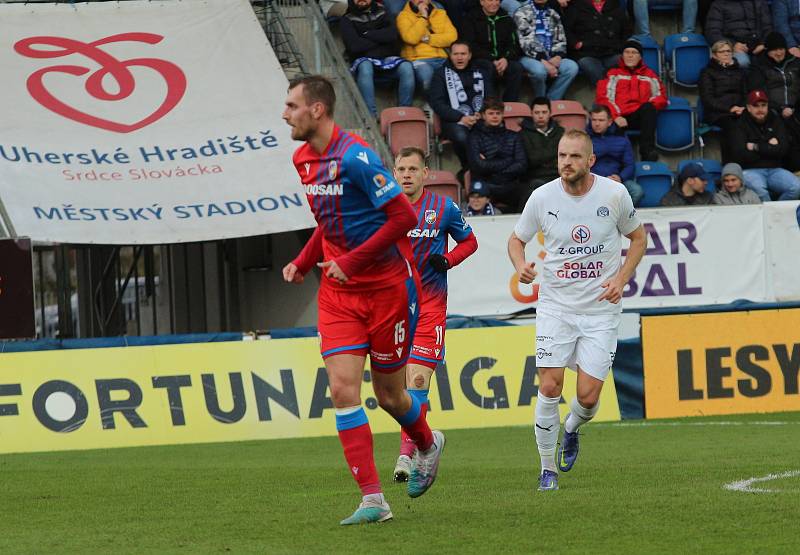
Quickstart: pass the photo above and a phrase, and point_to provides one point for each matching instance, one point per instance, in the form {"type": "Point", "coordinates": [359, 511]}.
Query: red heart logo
{"type": "Point", "coordinates": [109, 65]}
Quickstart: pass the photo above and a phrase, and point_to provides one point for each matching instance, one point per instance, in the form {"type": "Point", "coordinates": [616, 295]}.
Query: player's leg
{"type": "Point", "coordinates": [344, 341]}
{"type": "Point", "coordinates": [418, 378]}
{"type": "Point", "coordinates": [594, 355]}
{"type": "Point", "coordinates": [556, 336]}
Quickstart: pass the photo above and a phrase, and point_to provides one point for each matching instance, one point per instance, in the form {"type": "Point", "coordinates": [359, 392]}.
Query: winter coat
{"type": "Point", "coordinates": [745, 21]}
{"type": "Point", "coordinates": [745, 130]}
{"type": "Point", "coordinates": [742, 196]}
{"type": "Point", "coordinates": [720, 88]}
{"type": "Point", "coordinates": [368, 33]}
{"type": "Point", "coordinates": [781, 81]}
{"type": "Point", "coordinates": [674, 197]}
{"type": "Point", "coordinates": [786, 17]}
{"type": "Point", "coordinates": [541, 150]}
{"type": "Point", "coordinates": [491, 37]}
{"type": "Point", "coordinates": [525, 20]}
{"type": "Point", "coordinates": [613, 153]}
{"type": "Point", "coordinates": [438, 97]}
{"type": "Point", "coordinates": [503, 159]}
{"type": "Point", "coordinates": [602, 34]}
{"type": "Point", "coordinates": [624, 90]}
{"type": "Point", "coordinates": [412, 28]}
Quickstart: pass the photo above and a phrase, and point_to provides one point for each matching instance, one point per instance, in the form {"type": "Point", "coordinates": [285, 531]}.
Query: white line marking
{"type": "Point", "coordinates": [746, 485]}
{"type": "Point", "coordinates": [648, 424]}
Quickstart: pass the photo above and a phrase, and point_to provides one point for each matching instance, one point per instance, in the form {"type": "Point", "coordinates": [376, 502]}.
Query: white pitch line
{"type": "Point", "coordinates": [746, 485]}
{"type": "Point", "coordinates": [648, 424]}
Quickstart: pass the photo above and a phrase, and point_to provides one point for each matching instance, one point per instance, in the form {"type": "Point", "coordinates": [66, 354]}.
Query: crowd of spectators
{"type": "Point", "coordinates": [465, 58]}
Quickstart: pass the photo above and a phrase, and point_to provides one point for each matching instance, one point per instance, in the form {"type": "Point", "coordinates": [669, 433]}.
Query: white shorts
{"type": "Point", "coordinates": [588, 340]}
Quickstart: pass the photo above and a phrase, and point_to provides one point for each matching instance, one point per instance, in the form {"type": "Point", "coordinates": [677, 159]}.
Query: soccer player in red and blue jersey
{"type": "Point", "coordinates": [368, 293]}
{"type": "Point", "coordinates": [437, 218]}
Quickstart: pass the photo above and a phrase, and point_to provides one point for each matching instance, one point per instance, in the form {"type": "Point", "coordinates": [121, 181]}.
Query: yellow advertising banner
{"type": "Point", "coordinates": [721, 363]}
{"type": "Point", "coordinates": [195, 393]}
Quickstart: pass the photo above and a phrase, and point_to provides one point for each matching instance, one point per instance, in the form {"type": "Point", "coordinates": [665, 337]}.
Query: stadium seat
{"type": "Point", "coordinates": [515, 113]}
{"type": "Point", "coordinates": [651, 54]}
{"type": "Point", "coordinates": [570, 114]}
{"type": "Point", "coordinates": [444, 183]}
{"type": "Point", "coordinates": [675, 126]}
{"type": "Point", "coordinates": [405, 126]}
{"type": "Point", "coordinates": [656, 179]}
{"type": "Point", "coordinates": [686, 55]}
{"type": "Point", "coordinates": [713, 169]}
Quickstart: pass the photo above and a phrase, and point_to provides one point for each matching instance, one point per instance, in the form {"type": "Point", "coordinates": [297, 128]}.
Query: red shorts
{"type": "Point", "coordinates": [428, 347]}
{"type": "Point", "coordinates": [380, 322]}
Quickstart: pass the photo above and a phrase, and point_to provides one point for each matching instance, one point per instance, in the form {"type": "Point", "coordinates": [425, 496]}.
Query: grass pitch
{"type": "Point", "coordinates": [638, 487]}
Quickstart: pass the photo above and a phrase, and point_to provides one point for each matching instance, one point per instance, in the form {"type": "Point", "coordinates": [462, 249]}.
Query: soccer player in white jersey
{"type": "Point", "coordinates": [583, 217]}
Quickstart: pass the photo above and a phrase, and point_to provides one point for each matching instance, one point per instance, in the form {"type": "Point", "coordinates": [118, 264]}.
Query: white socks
{"type": "Point", "coordinates": [579, 415]}
{"type": "Point", "coordinates": [546, 426]}
{"type": "Point", "coordinates": [373, 500]}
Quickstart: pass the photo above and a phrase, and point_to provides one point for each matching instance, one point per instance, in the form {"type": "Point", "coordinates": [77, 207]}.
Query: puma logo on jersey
{"type": "Point", "coordinates": [424, 233]}
{"type": "Point", "coordinates": [554, 214]}
{"type": "Point", "coordinates": [363, 157]}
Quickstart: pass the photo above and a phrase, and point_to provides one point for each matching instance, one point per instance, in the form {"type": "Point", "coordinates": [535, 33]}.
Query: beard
{"type": "Point", "coordinates": [576, 178]}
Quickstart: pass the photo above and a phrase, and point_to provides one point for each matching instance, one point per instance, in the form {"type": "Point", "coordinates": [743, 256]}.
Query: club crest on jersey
{"type": "Point", "coordinates": [430, 216]}
{"type": "Point", "coordinates": [602, 212]}
{"type": "Point", "coordinates": [333, 169]}
{"type": "Point", "coordinates": [581, 233]}
{"type": "Point", "coordinates": [379, 180]}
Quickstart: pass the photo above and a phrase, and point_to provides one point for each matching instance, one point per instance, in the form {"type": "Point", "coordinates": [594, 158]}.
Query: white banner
{"type": "Point", "coordinates": [782, 221]}
{"type": "Point", "coordinates": [695, 256]}
{"type": "Point", "coordinates": [143, 122]}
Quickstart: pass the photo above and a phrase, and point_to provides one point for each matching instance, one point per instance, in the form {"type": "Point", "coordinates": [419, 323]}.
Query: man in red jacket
{"type": "Point", "coordinates": [634, 94]}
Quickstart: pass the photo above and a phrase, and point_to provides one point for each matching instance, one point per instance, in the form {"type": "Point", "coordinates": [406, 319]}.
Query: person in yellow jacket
{"type": "Point", "coordinates": [425, 31]}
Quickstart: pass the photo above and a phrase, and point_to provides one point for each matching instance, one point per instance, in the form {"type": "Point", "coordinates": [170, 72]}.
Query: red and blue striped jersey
{"type": "Point", "coordinates": [437, 217]}
{"type": "Point", "coordinates": [346, 186]}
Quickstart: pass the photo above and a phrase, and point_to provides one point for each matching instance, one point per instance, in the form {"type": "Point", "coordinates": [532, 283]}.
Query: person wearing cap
{"type": "Point", "coordinates": [689, 188]}
{"type": "Point", "coordinates": [596, 31]}
{"type": "Point", "coordinates": [786, 17]}
{"type": "Point", "coordinates": [758, 142]}
{"type": "Point", "coordinates": [731, 189]}
{"type": "Point", "coordinates": [745, 23]}
{"type": "Point", "coordinates": [634, 94]}
{"type": "Point", "coordinates": [479, 203]}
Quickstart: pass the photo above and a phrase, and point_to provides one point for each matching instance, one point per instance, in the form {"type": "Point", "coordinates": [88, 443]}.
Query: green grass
{"type": "Point", "coordinates": [635, 489]}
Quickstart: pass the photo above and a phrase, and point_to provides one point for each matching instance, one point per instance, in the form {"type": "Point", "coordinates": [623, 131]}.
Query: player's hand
{"type": "Point", "coordinates": [291, 274]}
{"type": "Point", "coordinates": [439, 263]}
{"type": "Point", "coordinates": [613, 290]}
{"type": "Point", "coordinates": [332, 270]}
{"type": "Point", "coordinates": [527, 274]}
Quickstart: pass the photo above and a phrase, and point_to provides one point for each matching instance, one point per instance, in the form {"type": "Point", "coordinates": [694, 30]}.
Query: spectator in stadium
{"type": "Point", "coordinates": [425, 31]}
{"type": "Point", "coordinates": [731, 189]}
{"type": "Point", "coordinates": [479, 203]}
{"type": "Point", "coordinates": [634, 94]}
{"type": "Point", "coordinates": [596, 31]}
{"type": "Point", "coordinates": [544, 45]}
{"type": "Point", "coordinates": [689, 188]}
{"type": "Point", "coordinates": [641, 16]}
{"type": "Point", "coordinates": [746, 23]}
{"type": "Point", "coordinates": [491, 33]}
{"type": "Point", "coordinates": [371, 43]}
{"type": "Point", "coordinates": [496, 156]}
{"type": "Point", "coordinates": [456, 96]}
{"type": "Point", "coordinates": [778, 73]}
{"type": "Point", "coordinates": [786, 18]}
{"type": "Point", "coordinates": [758, 142]}
{"type": "Point", "coordinates": [722, 85]}
{"type": "Point", "coordinates": [613, 152]}
{"type": "Point", "coordinates": [540, 138]}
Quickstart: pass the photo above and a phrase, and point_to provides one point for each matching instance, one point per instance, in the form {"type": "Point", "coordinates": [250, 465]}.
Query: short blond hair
{"type": "Point", "coordinates": [582, 135]}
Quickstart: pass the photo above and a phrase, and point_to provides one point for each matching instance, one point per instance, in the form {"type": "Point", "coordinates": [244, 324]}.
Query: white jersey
{"type": "Point", "coordinates": [582, 241]}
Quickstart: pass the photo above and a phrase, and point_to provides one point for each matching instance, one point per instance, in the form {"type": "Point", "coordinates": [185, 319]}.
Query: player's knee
{"type": "Point", "coordinates": [588, 400]}
{"type": "Point", "coordinates": [390, 401]}
{"type": "Point", "coordinates": [344, 394]}
{"type": "Point", "coordinates": [550, 389]}
{"type": "Point", "coordinates": [420, 379]}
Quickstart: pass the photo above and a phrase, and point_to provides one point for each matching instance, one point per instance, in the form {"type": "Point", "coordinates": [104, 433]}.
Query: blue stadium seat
{"type": "Point", "coordinates": [713, 169]}
{"type": "Point", "coordinates": [675, 127]}
{"type": "Point", "coordinates": [656, 179]}
{"type": "Point", "coordinates": [651, 53]}
{"type": "Point", "coordinates": [686, 55]}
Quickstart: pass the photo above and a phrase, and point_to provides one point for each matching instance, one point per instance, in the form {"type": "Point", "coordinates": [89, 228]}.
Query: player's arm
{"type": "Point", "coordinates": [294, 271]}
{"type": "Point", "coordinates": [615, 285]}
{"type": "Point", "coordinates": [400, 219]}
{"type": "Point", "coordinates": [466, 242]}
{"type": "Point", "coordinates": [516, 252]}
